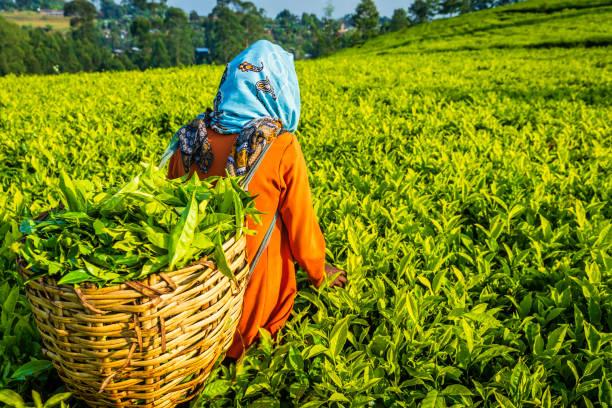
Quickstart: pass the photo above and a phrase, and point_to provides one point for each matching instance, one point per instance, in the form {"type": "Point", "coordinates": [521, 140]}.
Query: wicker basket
{"type": "Point", "coordinates": [148, 343]}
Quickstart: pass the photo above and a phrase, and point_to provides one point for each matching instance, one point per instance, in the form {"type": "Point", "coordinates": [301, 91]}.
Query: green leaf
{"type": "Point", "coordinates": [413, 308]}
{"type": "Point", "coordinates": [8, 307]}
{"type": "Point", "coordinates": [336, 396]}
{"type": "Point", "coordinates": [494, 351]}
{"type": "Point", "coordinates": [37, 400]}
{"type": "Point", "coordinates": [31, 368]}
{"type": "Point", "coordinates": [593, 337]}
{"type": "Point", "coordinates": [313, 404]}
{"type": "Point", "coordinates": [592, 367]}
{"type": "Point", "coordinates": [431, 399]}
{"type": "Point", "coordinates": [503, 401]}
{"type": "Point", "coordinates": [605, 392]}
{"type": "Point", "coordinates": [202, 241]}
{"type": "Point", "coordinates": [315, 350]}
{"type": "Point", "coordinates": [456, 389]}
{"type": "Point", "coordinates": [265, 402]}
{"type": "Point", "coordinates": [69, 192]}
{"type": "Point", "coordinates": [57, 399]}
{"type": "Point", "coordinates": [157, 238]}
{"type": "Point", "coordinates": [525, 305]}
{"type": "Point", "coordinates": [221, 260]}
{"type": "Point", "coordinates": [238, 215]}
{"type": "Point", "coordinates": [216, 388]}
{"type": "Point", "coordinates": [587, 402]}
{"type": "Point", "coordinates": [295, 359]}
{"type": "Point", "coordinates": [337, 337]}
{"type": "Point", "coordinates": [469, 334]}
{"type": "Point", "coordinates": [256, 387]}
{"type": "Point", "coordinates": [555, 339]}
{"type": "Point", "coordinates": [182, 234]}
{"type": "Point", "coordinates": [77, 276]}
{"type": "Point", "coordinates": [12, 399]}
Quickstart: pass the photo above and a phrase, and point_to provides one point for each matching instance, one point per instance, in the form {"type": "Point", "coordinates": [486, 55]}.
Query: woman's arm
{"type": "Point", "coordinates": [305, 238]}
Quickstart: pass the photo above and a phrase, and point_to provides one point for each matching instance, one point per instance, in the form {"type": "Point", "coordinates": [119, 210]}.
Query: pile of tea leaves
{"type": "Point", "coordinates": [150, 224]}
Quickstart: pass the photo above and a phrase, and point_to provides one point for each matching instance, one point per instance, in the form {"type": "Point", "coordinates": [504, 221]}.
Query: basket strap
{"type": "Point", "coordinates": [245, 184]}
{"type": "Point", "coordinates": [263, 246]}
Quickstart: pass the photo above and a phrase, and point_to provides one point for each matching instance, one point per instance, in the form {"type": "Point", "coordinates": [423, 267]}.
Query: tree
{"type": "Point", "coordinates": [194, 18]}
{"type": "Point", "coordinates": [450, 7]}
{"type": "Point", "coordinates": [111, 10]}
{"type": "Point", "coordinates": [180, 48]}
{"type": "Point", "coordinates": [13, 48]}
{"type": "Point", "coordinates": [24, 4]}
{"type": "Point", "coordinates": [423, 10]}
{"type": "Point", "coordinates": [289, 32]}
{"type": "Point", "coordinates": [159, 56]}
{"type": "Point", "coordinates": [6, 4]}
{"type": "Point", "coordinates": [366, 19]}
{"type": "Point", "coordinates": [482, 4]}
{"type": "Point", "coordinates": [466, 6]}
{"type": "Point", "coordinates": [51, 4]}
{"type": "Point", "coordinates": [399, 20]}
{"type": "Point", "coordinates": [139, 29]}
{"type": "Point", "coordinates": [225, 34]}
{"type": "Point", "coordinates": [82, 15]}
{"type": "Point", "coordinates": [175, 17]}
{"type": "Point", "coordinates": [252, 20]}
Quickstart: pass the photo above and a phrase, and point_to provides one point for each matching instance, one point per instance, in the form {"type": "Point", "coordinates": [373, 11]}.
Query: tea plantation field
{"type": "Point", "coordinates": [462, 174]}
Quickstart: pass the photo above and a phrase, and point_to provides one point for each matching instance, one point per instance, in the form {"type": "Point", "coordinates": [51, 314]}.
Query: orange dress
{"type": "Point", "coordinates": [281, 181]}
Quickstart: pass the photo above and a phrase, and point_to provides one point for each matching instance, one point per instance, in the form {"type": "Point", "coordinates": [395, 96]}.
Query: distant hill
{"type": "Point", "coordinates": [34, 19]}
{"type": "Point", "coordinates": [529, 24]}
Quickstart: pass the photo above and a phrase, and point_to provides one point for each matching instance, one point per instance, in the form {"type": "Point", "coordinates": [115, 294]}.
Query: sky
{"type": "Point", "coordinates": [273, 7]}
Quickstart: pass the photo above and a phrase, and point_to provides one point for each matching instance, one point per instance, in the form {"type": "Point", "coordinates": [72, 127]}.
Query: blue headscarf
{"type": "Point", "coordinates": [260, 83]}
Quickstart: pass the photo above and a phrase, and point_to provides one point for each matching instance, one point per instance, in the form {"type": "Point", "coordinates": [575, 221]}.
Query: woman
{"type": "Point", "coordinates": [255, 110]}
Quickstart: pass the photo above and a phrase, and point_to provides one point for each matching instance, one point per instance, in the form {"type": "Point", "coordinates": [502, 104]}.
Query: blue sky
{"type": "Point", "coordinates": [273, 7]}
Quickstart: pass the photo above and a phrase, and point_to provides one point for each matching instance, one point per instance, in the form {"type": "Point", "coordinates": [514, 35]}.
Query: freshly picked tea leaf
{"type": "Point", "coordinates": [148, 225]}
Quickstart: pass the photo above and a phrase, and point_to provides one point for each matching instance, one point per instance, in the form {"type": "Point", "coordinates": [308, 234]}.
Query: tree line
{"type": "Point", "coordinates": [141, 34]}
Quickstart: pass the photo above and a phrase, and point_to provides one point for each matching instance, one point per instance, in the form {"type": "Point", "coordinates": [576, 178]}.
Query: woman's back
{"type": "Point", "coordinates": [280, 184]}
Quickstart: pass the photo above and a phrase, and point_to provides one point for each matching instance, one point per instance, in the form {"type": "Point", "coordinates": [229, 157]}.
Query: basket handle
{"type": "Point", "coordinates": [263, 246]}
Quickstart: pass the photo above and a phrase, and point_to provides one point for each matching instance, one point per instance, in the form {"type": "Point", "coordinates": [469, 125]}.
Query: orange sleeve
{"type": "Point", "coordinates": [305, 238]}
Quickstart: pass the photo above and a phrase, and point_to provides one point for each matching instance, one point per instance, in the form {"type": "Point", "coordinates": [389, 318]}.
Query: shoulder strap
{"type": "Point", "coordinates": [245, 184]}
{"type": "Point", "coordinates": [264, 245]}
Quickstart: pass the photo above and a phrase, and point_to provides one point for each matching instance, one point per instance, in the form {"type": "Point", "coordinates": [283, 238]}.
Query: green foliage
{"type": "Point", "coordinates": [13, 48]}
{"type": "Point", "coordinates": [82, 14]}
{"type": "Point", "coordinates": [399, 20]}
{"type": "Point", "coordinates": [14, 400]}
{"type": "Point", "coordinates": [423, 10]}
{"type": "Point", "coordinates": [531, 24]}
{"type": "Point", "coordinates": [150, 224]}
{"type": "Point", "coordinates": [463, 185]}
{"type": "Point", "coordinates": [366, 19]}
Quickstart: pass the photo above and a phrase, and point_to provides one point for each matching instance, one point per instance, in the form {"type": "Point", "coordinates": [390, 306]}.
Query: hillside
{"type": "Point", "coordinates": [35, 20]}
{"type": "Point", "coordinates": [529, 24]}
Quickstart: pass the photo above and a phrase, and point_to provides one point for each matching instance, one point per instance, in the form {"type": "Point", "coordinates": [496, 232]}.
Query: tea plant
{"type": "Point", "coordinates": [464, 186]}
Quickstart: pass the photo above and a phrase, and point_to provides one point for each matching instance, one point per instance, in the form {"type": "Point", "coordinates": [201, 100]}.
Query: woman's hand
{"type": "Point", "coordinates": [340, 280]}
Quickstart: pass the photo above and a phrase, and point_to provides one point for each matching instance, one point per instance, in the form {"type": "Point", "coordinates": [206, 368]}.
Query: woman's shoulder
{"type": "Point", "coordinates": [286, 140]}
